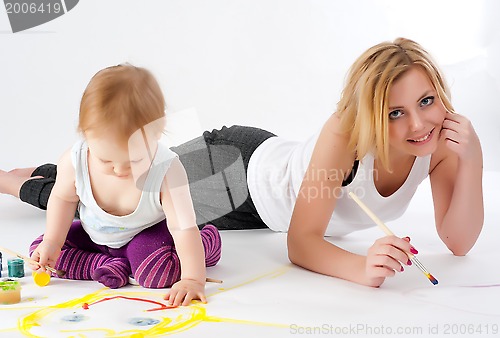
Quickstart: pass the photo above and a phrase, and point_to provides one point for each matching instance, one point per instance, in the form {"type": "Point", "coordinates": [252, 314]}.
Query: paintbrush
{"type": "Point", "coordinates": [388, 232]}
{"type": "Point", "coordinates": [59, 273]}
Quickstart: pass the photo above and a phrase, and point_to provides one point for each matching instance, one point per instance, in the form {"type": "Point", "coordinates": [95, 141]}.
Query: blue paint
{"type": "Point", "coordinates": [74, 318]}
{"type": "Point", "coordinates": [143, 321]}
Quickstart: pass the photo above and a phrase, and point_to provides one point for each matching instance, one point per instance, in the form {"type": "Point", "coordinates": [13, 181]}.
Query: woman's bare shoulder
{"type": "Point", "coordinates": [332, 148]}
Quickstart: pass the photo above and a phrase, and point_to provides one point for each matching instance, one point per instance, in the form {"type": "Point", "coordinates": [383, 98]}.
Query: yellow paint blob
{"type": "Point", "coordinates": [41, 279]}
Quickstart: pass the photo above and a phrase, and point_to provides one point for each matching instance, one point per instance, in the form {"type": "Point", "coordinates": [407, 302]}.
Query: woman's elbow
{"type": "Point", "coordinates": [461, 244]}
{"type": "Point", "coordinates": [459, 252]}
{"type": "Point", "coordinates": [460, 249]}
{"type": "Point", "coordinates": [293, 249]}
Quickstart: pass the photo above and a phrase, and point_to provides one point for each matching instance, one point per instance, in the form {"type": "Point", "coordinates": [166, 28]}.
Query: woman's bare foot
{"type": "Point", "coordinates": [11, 181]}
{"type": "Point", "coordinates": [23, 172]}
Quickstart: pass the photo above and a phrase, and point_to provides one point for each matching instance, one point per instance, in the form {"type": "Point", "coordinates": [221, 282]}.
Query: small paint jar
{"type": "Point", "coordinates": [16, 267]}
{"type": "Point", "coordinates": [10, 292]}
{"type": "Point", "coordinates": [42, 278]}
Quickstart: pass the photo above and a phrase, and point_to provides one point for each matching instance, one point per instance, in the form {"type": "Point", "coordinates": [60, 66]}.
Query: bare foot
{"type": "Point", "coordinates": [22, 172]}
{"type": "Point", "coordinates": [11, 183]}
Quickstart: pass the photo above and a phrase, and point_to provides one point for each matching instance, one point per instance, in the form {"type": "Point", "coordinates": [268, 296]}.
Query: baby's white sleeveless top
{"type": "Point", "coordinates": [116, 231]}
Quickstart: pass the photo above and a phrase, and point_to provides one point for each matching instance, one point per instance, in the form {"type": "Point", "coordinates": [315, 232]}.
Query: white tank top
{"type": "Point", "coordinates": [116, 231]}
{"type": "Point", "coordinates": [277, 168]}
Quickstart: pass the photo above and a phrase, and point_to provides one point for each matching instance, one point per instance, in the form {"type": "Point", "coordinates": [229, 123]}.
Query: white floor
{"type": "Point", "coordinates": [263, 294]}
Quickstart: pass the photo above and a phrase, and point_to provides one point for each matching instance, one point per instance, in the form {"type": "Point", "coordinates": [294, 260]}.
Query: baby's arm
{"type": "Point", "coordinates": [456, 181]}
{"type": "Point", "coordinates": [60, 212]}
{"type": "Point", "coordinates": [181, 221]}
{"type": "Point", "coordinates": [315, 204]}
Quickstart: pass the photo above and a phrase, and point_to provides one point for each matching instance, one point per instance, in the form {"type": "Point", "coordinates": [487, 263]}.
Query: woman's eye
{"type": "Point", "coordinates": [427, 101]}
{"type": "Point", "coordinates": [395, 114]}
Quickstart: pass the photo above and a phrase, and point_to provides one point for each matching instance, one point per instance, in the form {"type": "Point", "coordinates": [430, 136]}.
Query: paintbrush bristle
{"type": "Point", "coordinates": [59, 273]}
{"type": "Point", "coordinates": [432, 279]}
{"type": "Point", "coordinates": [423, 269]}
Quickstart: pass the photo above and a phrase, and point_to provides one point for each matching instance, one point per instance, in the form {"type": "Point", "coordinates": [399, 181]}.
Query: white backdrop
{"type": "Point", "coordinates": [275, 64]}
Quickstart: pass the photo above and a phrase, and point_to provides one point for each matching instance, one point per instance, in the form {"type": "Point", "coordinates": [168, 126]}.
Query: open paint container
{"type": "Point", "coordinates": [10, 292]}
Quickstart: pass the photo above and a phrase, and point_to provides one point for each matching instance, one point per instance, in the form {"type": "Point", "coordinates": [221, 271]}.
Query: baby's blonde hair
{"type": "Point", "coordinates": [364, 108]}
{"type": "Point", "coordinates": [120, 100]}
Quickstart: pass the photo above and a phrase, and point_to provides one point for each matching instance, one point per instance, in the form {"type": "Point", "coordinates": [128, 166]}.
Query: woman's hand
{"type": "Point", "coordinates": [184, 291]}
{"type": "Point", "coordinates": [461, 138]}
{"type": "Point", "coordinates": [45, 254]}
{"type": "Point", "coordinates": [386, 256]}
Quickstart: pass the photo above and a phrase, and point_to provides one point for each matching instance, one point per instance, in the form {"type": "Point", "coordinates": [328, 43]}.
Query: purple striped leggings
{"type": "Point", "coordinates": [150, 257]}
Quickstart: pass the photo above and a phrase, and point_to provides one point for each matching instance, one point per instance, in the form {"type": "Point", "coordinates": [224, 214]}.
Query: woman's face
{"type": "Point", "coordinates": [416, 115]}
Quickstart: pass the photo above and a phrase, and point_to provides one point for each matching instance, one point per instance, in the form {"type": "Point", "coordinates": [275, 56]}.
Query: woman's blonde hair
{"type": "Point", "coordinates": [364, 108]}
{"type": "Point", "coordinates": [121, 100]}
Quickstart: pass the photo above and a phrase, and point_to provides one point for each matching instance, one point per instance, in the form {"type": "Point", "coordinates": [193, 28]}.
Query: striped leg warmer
{"type": "Point", "coordinates": [162, 268]}
{"type": "Point", "coordinates": [83, 265]}
{"type": "Point", "coordinates": [212, 244]}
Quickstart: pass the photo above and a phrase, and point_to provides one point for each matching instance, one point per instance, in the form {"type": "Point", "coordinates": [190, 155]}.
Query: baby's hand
{"type": "Point", "coordinates": [45, 254]}
{"type": "Point", "coordinates": [184, 291]}
{"type": "Point", "coordinates": [386, 256]}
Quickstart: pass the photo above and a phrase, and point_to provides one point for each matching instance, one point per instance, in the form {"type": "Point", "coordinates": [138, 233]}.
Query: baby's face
{"type": "Point", "coordinates": [125, 162]}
